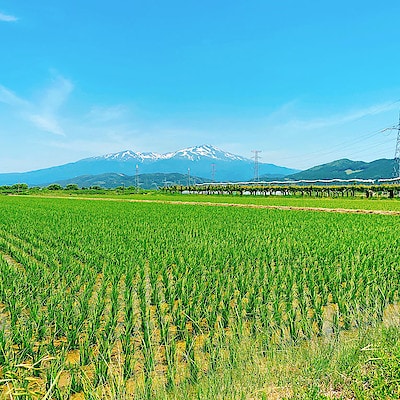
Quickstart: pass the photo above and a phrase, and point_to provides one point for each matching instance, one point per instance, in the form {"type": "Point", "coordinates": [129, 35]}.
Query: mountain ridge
{"type": "Point", "coordinates": [348, 169]}
{"type": "Point", "coordinates": [196, 161]}
{"type": "Point", "coordinates": [192, 153]}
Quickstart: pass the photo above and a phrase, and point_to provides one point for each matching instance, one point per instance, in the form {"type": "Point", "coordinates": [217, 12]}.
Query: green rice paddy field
{"type": "Point", "coordinates": [352, 203]}
{"type": "Point", "coordinates": [119, 299]}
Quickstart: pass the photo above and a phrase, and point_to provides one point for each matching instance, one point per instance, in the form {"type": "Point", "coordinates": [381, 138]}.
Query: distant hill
{"type": "Point", "coordinates": [348, 169]}
{"type": "Point", "coordinates": [198, 159]}
{"type": "Point", "coordinates": [146, 181]}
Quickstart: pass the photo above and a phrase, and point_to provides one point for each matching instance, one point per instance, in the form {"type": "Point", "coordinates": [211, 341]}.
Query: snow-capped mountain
{"type": "Point", "coordinates": [195, 153]}
{"type": "Point", "coordinates": [129, 155]}
{"type": "Point", "coordinates": [203, 161]}
{"type": "Point", "coordinates": [205, 151]}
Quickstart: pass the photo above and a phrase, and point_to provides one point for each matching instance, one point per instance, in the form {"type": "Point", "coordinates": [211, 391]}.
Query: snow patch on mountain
{"type": "Point", "coordinates": [129, 155]}
{"type": "Point", "coordinates": [195, 153]}
{"type": "Point", "coordinates": [206, 151]}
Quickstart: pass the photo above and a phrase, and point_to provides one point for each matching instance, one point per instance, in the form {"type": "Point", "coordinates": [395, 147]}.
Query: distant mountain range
{"type": "Point", "coordinates": [194, 161]}
{"type": "Point", "coordinates": [340, 169]}
{"type": "Point", "coordinates": [347, 169]}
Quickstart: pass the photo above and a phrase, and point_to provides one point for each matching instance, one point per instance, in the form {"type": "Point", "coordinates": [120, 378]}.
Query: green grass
{"type": "Point", "coordinates": [362, 364]}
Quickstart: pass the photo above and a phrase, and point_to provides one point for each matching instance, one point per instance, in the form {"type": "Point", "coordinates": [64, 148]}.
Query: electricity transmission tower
{"type": "Point", "coordinates": [188, 177]}
{"type": "Point", "coordinates": [137, 178]}
{"type": "Point", "coordinates": [213, 172]}
{"type": "Point", "coordinates": [256, 159]}
{"type": "Point", "coordinates": [396, 167]}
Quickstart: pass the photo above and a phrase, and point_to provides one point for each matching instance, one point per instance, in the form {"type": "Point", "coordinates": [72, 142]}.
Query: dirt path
{"type": "Point", "coordinates": [213, 204]}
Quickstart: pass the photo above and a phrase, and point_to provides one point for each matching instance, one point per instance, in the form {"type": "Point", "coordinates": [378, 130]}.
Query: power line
{"type": "Point", "coordinates": [352, 148]}
{"type": "Point", "coordinates": [348, 146]}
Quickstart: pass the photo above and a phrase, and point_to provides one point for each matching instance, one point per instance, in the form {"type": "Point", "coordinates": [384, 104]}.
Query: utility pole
{"type": "Point", "coordinates": [256, 159]}
{"type": "Point", "coordinates": [396, 167]}
{"type": "Point", "coordinates": [213, 172]}
{"type": "Point", "coordinates": [137, 178]}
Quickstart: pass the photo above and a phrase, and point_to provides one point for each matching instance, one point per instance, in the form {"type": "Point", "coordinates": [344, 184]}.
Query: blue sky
{"type": "Point", "coordinates": [305, 82]}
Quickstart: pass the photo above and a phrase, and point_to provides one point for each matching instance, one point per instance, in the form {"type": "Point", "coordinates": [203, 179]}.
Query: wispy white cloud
{"type": "Point", "coordinates": [46, 115]}
{"type": "Point", "coordinates": [43, 113]}
{"type": "Point", "coordinates": [306, 140]}
{"type": "Point", "coordinates": [7, 18]}
{"type": "Point", "coordinates": [46, 123]}
{"type": "Point", "coordinates": [338, 119]}
{"type": "Point", "coordinates": [10, 98]}
{"type": "Point", "coordinates": [55, 95]}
